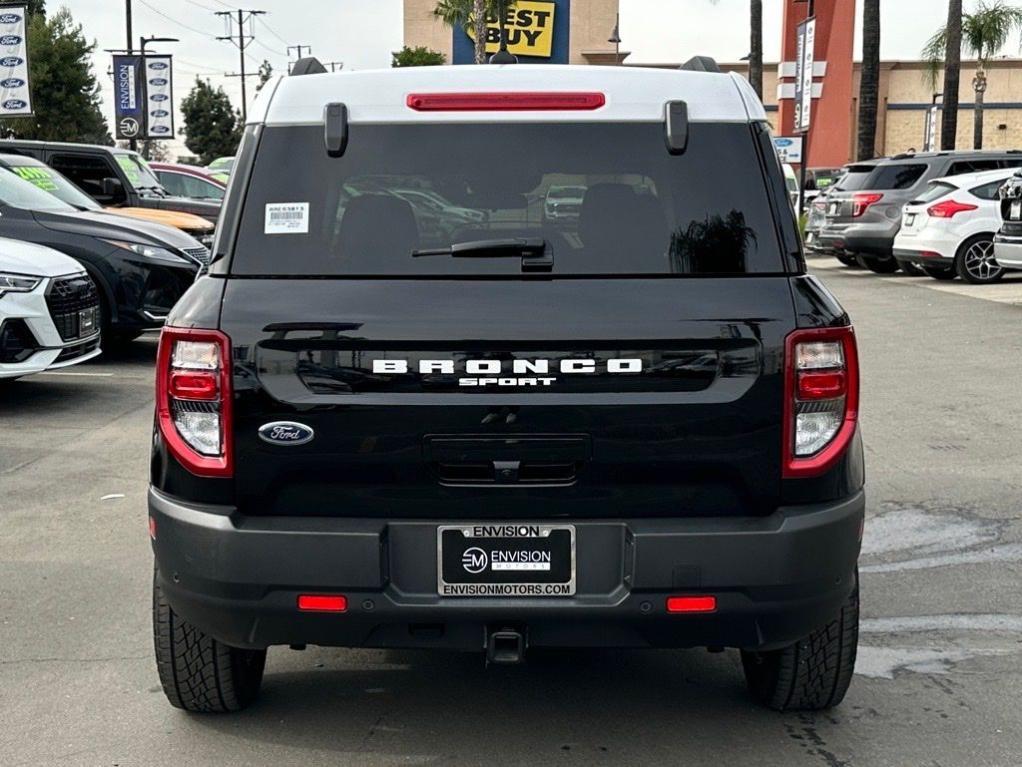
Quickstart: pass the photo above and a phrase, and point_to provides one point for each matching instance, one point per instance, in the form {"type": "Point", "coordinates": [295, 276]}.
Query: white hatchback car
{"type": "Point", "coordinates": [949, 230]}
{"type": "Point", "coordinates": [49, 310]}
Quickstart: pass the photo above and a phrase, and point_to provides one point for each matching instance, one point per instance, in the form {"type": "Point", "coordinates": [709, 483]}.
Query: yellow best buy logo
{"type": "Point", "coordinates": [530, 29]}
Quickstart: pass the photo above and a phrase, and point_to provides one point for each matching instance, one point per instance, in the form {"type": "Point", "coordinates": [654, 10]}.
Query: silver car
{"type": "Point", "coordinates": [864, 214]}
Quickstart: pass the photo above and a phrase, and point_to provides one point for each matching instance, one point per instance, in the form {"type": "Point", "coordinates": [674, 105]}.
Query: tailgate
{"type": "Point", "coordinates": [510, 398]}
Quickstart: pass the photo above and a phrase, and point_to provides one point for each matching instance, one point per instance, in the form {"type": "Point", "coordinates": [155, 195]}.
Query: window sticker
{"type": "Point", "coordinates": [286, 218]}
{"type": "Point", "coordinates": [41, 177]}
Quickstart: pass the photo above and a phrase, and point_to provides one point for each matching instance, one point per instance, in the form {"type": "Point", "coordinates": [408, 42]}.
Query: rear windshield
{"type": "Point", "coordinates": [895, 177]}
{"type": "Point", "coordinates": [855, 179]}
{"type": "Point", "coordinates": [935, 191]}
{"type": "Point", "coordinates": [400, 189]}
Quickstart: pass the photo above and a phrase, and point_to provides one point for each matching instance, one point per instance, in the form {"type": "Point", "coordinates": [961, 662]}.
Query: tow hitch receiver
{"type": "Point", "coordinates": [505, 646]}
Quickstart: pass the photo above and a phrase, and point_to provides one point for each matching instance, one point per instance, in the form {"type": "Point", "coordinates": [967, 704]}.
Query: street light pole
{"type": "Point", "coordinates": [615, 37]}
{"type": "Point", "coordinates": [132, 143]}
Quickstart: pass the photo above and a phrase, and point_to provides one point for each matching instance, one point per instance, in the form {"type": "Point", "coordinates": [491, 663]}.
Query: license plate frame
{"type": "Point", "coordinates": [88, 322]}
{"type": "Point", "coordinates": [910, 219]}
{"type": "Point", "coordinates": [1016, 210]}
{"type": "Point", "coordinates": [513, 559]}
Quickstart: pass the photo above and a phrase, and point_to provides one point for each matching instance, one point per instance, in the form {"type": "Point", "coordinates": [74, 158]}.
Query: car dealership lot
{"type": "Point", "coordinates": [939, 674]}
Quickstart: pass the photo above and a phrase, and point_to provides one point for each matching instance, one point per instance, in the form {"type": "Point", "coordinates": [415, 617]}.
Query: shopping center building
{"type": "Point", "coordinates": [578, 32]}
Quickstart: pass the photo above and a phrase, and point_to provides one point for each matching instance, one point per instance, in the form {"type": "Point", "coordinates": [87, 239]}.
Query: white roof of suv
{"type": "Point", "coordinates": [632, 94]}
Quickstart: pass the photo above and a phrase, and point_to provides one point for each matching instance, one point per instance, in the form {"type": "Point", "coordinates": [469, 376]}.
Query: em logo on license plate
{"type": "Point", "coordinates": [87, 322]}
{"type": "Point", "coordinates": [506, 560]}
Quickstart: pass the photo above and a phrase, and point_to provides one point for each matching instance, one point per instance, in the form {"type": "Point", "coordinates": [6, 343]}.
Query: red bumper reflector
{"type": "Point", "coordinates": [201, 386]}
{"type": "Point", "coordinates": [505, 102]}
{"type": "Point", "coordinates": [691, 604]}
{"type": "Point", "coordinates": [152, 528]}
{"type": "Point", "coordinates": [813, 385]}
{"type": "Point", "coordinates": [322, 603]}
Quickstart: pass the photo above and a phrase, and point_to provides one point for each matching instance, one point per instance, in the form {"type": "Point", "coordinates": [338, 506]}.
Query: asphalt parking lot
{"type": "Point", "coordinates": [939, 677]}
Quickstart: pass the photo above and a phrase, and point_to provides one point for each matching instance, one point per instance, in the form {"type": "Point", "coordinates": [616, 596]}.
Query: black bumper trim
{"type": "Point", "coordinates": [776, 578]}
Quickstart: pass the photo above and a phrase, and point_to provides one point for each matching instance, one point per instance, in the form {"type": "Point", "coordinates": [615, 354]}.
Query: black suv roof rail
{"type": "Point", "coordinates": [309, 65]}
{"type": "Point", "coordinates": [701, 64]}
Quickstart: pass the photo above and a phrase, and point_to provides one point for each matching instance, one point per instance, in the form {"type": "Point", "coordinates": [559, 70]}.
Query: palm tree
{"type": "Point", "coordinates": [952, 75]}
{"type": "Point", "coordinates": [984, 33]}
{"type": "Point", "coordinates": [470, 14]}
{"type": "Point", "coordinates": [756, 46]}
{"type": "Point", "coordinates": [869, 83]}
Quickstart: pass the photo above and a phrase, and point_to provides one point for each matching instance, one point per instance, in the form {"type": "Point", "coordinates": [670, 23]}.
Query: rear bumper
{"type": "Point", "coordinates": [857, 240]}
{"type": "Point", "coordinates": [1008, 251]}
{"type": "Point", "coordinates": [775, 579]}
{"type": "Point", "coordinates": [927, 257]}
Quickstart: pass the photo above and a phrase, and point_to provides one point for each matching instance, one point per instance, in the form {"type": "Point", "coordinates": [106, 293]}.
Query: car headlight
{"type": "Point", "coordinates": [18, 283]}
{"type": "Point", "coordinates": [152, 252]}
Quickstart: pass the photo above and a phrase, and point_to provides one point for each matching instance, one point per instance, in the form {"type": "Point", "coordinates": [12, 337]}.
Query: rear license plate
{"type": "Point", "coordinates": [910, 219]}
{"type": "Point", "coordinates": [506, 560]}
{"type": "Point", "coordinates": [1016, 210]}
{"type": "Point", "coordinates": [88, 321]}
{"type": "Point", "coordinates": [833, 209]}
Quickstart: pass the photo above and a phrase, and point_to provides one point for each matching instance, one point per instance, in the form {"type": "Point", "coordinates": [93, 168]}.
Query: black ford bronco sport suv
{"type": "Point", "coordinates": [637, 427]}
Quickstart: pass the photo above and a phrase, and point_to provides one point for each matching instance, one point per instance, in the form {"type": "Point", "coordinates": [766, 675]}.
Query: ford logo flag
{"type": "Point", "coordinates": [158, 81]}
{"type": "Point", "coordinates": [14, 105]}
{"type": "Point", "coordinates": [11, 61]}
{"type": "Point", "coordinates": [158, 66]}
{"type": "Point", "coordinates": [9, 40]}
{"type": "Point", "coordinates": [158, 97]}
{"type": "Point", "coordinates": [9, 18]}
{"type": "Point", "coordinates": [159, 129]}
{"type": "Point", "coordinates": [159, 113]}
{"type": "Point", "coordinates": [12, 82]}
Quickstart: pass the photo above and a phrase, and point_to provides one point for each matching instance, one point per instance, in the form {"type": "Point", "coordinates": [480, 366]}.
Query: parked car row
{"type": "Point", "coordinates": [94, 250]}
{"type": "Point", "coordinates": [934, 213]}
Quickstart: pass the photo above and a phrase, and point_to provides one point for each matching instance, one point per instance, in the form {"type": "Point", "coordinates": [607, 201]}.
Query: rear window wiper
{"type": "Point", "coordinates": [535, 252]}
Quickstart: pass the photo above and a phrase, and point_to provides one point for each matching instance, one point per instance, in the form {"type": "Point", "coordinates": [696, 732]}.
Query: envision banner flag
{"type": "Point", "coordinates": [15, 92]}
{"type": "Point", "coordinates": [804, 75]}
{"type": "Point", "coordinates": [159, 99]}
{"type": "Point", "coordinates": [129, 106]}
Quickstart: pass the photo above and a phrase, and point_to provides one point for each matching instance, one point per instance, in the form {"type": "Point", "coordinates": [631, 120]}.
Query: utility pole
{"type": "Point", "coordinates": [334, 65]}
{"type": "Point", "coordinates": [298, 54]}
{"type": "Point", "coordinates": [132, 143]}
{"type": "Point", "coordinates": [242, 42]}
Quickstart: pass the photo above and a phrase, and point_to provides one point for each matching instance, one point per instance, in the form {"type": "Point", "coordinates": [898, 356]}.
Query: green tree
{"type": "Point", "coordinates": [869, 84]}
{"type": "Point", "coordinates": [984, 33]}
{"type": "Point", "coordinates": [471, 14]}
{"type": "Point", "coordinates": [417, 57]}
{"type": "Point", "coordinates": [265, 73]}
{"type": "Point", "coordinates": [212, 127]}
{"type": "Point", "coordinates": [65, 93]}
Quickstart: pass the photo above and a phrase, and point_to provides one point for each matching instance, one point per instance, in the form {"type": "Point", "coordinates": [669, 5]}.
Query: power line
{"type": "Point", "coordinates": [243, 41]}
{"type": "Point", "coordinates": [175, 21]}
{"type": "Point", "coordinates": [272, 32]}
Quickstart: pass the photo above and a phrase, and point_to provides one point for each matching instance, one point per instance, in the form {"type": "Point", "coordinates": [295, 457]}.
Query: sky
{"type": "Point", "coordinates": [362, 33]}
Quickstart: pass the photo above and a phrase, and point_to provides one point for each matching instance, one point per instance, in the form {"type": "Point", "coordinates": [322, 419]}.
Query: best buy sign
{"type": "Point", "coordinates": [530, 29]}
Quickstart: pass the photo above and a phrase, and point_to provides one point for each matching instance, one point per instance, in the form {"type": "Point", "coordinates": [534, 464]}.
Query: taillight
{"type": "Point", "coordinates": [821, 398]}
{"type": "Point", "coordinates": [862, 200]}
{"type": "Point", "coordinates": [538, 101]}
{"type": "Point", "coordinates": [193, 399]}
{"type": "Point", "coordinates": [949, 209]}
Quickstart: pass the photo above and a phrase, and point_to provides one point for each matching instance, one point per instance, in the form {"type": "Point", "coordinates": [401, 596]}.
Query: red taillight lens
{"type": "Point", "coordinates": [821, 399]}
{"type": "Point", "coordinates": [949, 209]}
{"type": "Point", "coordinates": [862, 200]}
{"type": "Point", "coordinates": [699, 604]}
{"type": "Point", "coordinates": [322, 603]}
{"type": "Point", "coordinates": [506, 102]}
{"type": "Point", "coordinates": [193, 399]}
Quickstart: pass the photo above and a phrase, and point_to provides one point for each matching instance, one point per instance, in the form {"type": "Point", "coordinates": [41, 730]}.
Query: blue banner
{"type": "Point", "coordinates": [129, 100]}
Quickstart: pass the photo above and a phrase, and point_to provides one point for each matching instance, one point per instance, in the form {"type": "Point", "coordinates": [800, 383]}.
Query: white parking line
{"type": "Point", "coordinates": [75, 373]}
{"type": "Point", "coordinates": [1009, 292]}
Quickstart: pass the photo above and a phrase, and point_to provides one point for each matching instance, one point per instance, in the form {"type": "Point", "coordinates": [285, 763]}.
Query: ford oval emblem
{"type": "Point", "coordinates": [159, 97]}
{"type": "Point", "coordinates": [286, 433]}
{"type": "Point", "coordinates": [159, 113]}
{"type": "Point", "coordinates": [12, 82]}
{"type": "Point", "coordinates": [158, 81]}
{"type": "Point", "coordinates": [14, 104]}
{"type": "Point", "coordinates": [11, 61]}
{"type": "Point", "coordinates": [9, 18]}
{"type": "Point", "coordinates": [9, 40]}
{"type": "Point", "coordinates": [157, 65]}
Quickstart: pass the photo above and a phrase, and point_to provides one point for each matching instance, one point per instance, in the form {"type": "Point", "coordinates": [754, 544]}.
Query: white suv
{"type": "Point", "coordinates": [49, 310]}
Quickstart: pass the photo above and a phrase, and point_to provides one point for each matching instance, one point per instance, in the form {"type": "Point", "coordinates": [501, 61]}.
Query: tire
{"type": "Point", "coordinates": [975, 262]}
{"type": "Point", "coordinates": [198, 673]}
{"type": "Point", "coordinates": [848, 261]}
{"type": "Point", "coordinates": [879, 265]}
{"type": "Point", "coordinates": [943, 273]}
{"type": "Point", "coordinates": [814, 673]}
{"type": "Point", "coordinates": [911, 269]}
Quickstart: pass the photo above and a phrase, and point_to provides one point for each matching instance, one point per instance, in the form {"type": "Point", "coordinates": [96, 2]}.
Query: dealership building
{"type": "Point", "coordinates": [578, 32]}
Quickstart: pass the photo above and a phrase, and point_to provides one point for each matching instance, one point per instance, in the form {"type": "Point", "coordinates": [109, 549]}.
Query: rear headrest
{"type": "Point", "coordinates": [377, 226]}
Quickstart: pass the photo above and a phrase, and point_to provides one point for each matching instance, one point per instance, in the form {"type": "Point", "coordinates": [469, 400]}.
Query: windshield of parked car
{"type": "Point", "coordinates": [138, 172]}
{"type": "Point", "coordinates": [55, 183]}
{"type": "Point", "coordinates": [19, 193]}
{"type": "Point", "coordinates": [643, 210]}
{"type": "Point", "coordinates": [895, 176]}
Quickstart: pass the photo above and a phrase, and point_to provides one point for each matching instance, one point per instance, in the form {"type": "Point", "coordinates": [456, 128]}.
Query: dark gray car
{"type": "Point", "coordinates": [864, 214]}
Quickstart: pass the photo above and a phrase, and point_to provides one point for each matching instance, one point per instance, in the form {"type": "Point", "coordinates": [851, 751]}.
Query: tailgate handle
{"type": "Point", "coordinates": [507, 460]}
